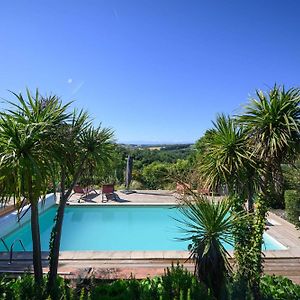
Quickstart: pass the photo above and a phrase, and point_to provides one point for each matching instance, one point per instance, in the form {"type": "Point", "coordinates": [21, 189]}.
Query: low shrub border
{"type": "Point", "coordinates": [176, 284]}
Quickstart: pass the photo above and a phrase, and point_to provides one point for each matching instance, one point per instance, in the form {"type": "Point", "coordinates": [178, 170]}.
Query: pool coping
{"type": "Point", "coordinates": [132, 255]}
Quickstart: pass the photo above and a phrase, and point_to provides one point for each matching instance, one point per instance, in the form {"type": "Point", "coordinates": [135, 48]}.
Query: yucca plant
{"type": "Point", "coordinates": [228, 160]}
{"type": "Point", "coordinates": [80, 148]}
{"type": "Point", "coordinates": [272, 122]}
{"type": "Point", "coordinates": [25, 131]}
{"type": "Point", "coordinates": [208, 227]}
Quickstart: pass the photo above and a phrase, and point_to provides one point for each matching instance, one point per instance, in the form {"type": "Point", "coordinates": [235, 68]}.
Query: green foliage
{"type": "Point", "coordinates": [248, 235]}
{"type": "Point", "coordinates": [202, 144]}
{"type": "Point", "coordinates": [26, 129]}
{"type": "Point", "coordinates": [272, 121]}
{"type": "Point", "coordinates": [246, 154]}
{"type": "Point", "coordinates": [155, 175]}
{"type": "Point", "coordinates": [271, 288]}
{"type": "Point", "coordinates": [149, 165]}
{"type": "Point", "coordinates": [152, 165]}
{"type": "Point", "coordinates": [227, 155]}
{"type": "Point", "coordinates": [208, 226]}
{"type": "Point", "coordinates": [25, 288]}
{"type": "Point", "coordinates": [292, 206]}
{"type": "Point", "coordinates": [152, 288]}
{"type": "Point", "coordinates": [117, 290]}
{"type": "Point", "coordinates": [279, 288]}
{"type": "Point", "coordinates": [291, 175]}
{"type": "Point", "coordinates": [79, 149]}
{"type": "Point", "coordinates": [176, 284]}
{"type": "Point", "coordinates": [239, 289]}
{"type": "Point", "coordinates": [243, 237]}
{"type": "Point", "coordinates": [167, 154]}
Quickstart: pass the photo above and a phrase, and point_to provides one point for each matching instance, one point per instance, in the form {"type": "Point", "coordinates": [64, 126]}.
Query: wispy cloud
{"type": "Point", "coordinates": [77, 88]}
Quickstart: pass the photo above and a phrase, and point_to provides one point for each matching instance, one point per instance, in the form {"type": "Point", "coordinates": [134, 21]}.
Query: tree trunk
{"type": "Point", "coordinates": [55, 243]}
{"type": "Point", "coordinates": [57, 228]}
{"type": "Point", "coordinates": [36, 244]}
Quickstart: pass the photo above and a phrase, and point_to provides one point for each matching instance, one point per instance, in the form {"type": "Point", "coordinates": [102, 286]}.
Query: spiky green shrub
{"type": "Point", "coordinates": [208, 227]}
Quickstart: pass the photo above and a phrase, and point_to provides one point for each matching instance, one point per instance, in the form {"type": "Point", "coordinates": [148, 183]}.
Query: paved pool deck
{"type": "Point", "coordinates": [137, 197]}
{"type": "Point", "coordinates": [121, 264]}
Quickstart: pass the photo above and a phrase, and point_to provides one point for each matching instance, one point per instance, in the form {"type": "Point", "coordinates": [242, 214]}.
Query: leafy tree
{"type": "Point", "coordinates": [155, 175]}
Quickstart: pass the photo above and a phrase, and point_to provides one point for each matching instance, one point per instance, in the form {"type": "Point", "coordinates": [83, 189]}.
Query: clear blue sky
{"type": "Point", "coordinates": [152, 70]}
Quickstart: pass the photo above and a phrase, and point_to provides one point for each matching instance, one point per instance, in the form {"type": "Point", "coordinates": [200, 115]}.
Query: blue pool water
{"type": "Point", "coordinates": [114, 228]}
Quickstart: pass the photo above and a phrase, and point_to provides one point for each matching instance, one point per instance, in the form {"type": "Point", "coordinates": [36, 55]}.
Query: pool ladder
{"type": "Point", "coordinates": [11, 250]}
{"type": "Point", "coordinates": [5, 245]}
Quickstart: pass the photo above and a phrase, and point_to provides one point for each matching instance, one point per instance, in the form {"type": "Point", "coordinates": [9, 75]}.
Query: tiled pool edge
{"type": "Point", "coordinates": [132, 255]}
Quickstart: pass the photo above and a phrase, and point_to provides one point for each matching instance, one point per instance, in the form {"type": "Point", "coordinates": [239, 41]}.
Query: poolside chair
{"type": "Point", "coordinates": [83, 191]}
{"type": "Point", "coordinates": [182, 188]}
{"type": "Point", "coordinates": [108, 190]}
{"type": "Point", "coordinates": [204, 191]}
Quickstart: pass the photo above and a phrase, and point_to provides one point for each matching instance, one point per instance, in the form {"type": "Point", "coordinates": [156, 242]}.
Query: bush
{"type": "Point", "coordinates": [292, 206]}
{"type": "Point", "coordinates": [271, 288]}
{"type": "Point", "coordinates": [279, 288]}
{"type": "Point", "coordinates": [176, 283]}
{"type": "Point", "coordinates": [239, 289]}
{"type": "Point", "coordinates": [24, 288]}
{"type": "Point", "coordinates": [21, 288]}
{"type": "Point", "coordinates": [117, 290]}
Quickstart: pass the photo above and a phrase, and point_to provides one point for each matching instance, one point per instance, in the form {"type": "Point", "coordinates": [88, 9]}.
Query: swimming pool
{"type": "Point", "coordinates": [114, 228]}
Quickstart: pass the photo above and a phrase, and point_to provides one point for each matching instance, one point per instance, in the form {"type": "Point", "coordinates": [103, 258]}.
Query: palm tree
{"type": "Point", "coordinates": [272, 121]}
{"type": "Point", "coordinates": [24, 132]}
{"type": "Point", "coordinates": [78, 147]}
{"type": "Point", "coordinates": [272, 124]}
{"type": "Point", "coordinates": [208, 226]}
{"type": "Point", "coordinates": [228, 160]}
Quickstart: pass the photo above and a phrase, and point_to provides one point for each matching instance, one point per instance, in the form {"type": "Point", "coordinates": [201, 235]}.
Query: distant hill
{"type": "Point", "coordinates": [167, 147]}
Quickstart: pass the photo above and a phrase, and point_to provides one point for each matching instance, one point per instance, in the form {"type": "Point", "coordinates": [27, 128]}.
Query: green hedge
{"type": "Point", "coordinates": [292, 206]}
